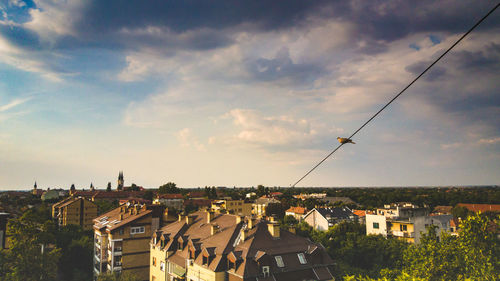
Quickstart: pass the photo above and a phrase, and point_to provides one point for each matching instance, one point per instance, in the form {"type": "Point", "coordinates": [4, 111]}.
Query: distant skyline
{"type": "Point", "coordinates": [225, 93]}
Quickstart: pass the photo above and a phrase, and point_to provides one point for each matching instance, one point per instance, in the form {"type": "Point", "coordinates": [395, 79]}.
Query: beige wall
{"type": "Point", "coordinates": [196, 271]}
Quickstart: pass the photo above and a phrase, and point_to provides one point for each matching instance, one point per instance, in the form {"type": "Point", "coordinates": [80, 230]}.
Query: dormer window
{"type": "Point", "coordinates": [279, 261]}
{"type": "Point", "coordinates": [302, 258]}
{"type": "Point", "coordinates": [265, 271]}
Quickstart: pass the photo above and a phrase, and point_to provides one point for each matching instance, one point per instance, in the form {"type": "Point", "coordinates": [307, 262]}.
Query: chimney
{"type": "Point", "coordinates": [121, 217]}
{"type": "Point", "coordinates": [210, 216]}
{"type": "Point", "coordinates": [181, 217]}
{"type": "Point", "coordinates": [238, 219]}
{"type": "Point", "coordinates": [244, 235]}
{"type": "Point", "coordinates": [213, 229]}
{"type": "Point", "coordinates": [250, 223]}
{"type": "Point", "coordinates": [189, 219]}
{"type": "Point", "coordinates": [292, 230]}
{"type": "Point", "coordinates": [274, 230]}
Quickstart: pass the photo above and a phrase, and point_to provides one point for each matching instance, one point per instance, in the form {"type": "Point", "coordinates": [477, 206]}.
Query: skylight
{"type": "Point", "coordinates": [279, 261]}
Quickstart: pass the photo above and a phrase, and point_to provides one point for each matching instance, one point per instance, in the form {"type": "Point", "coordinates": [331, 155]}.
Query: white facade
{"type": "Point", "coordinates": [376, 224]}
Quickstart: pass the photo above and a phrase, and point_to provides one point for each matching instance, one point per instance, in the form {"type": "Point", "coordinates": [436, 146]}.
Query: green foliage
{"type": "Point", "coordinates": [169, 187]}
{"type": "Point", "coordinates": [460, 212]}
{"type": "Point", "coordinates": [104, 206]}
{"type": "Point", "coordinates": [148, 195]}
{"type": "Point", "coordinates": [275, 209]}
{"type": "Point", "coordinates": [32, 255]}
{"type": "Point", "coordinates": [210, 192]}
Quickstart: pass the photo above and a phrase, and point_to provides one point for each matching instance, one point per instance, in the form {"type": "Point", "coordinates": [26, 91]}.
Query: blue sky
{"type": "Point", "coordinates": [246, 93]}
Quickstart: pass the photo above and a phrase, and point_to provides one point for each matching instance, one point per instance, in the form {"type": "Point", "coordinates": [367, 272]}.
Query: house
{"type": "Point", "coordinates": [324, 218]}
{"type": "Point", "coordinates": [297, 212]}
{"type": "Point", "coordinates": [442, 210]}
{"type": "Point", "coordinates": [260, 205]}
{"type": "Point", "coordinates": [481, 207]}
{"type": "Point", "coordinates": [174, 201]}
{"type": "Point", "coordinates": [361, 214]}
{"type": "Point", "coordinates": [402, 209]}
{"type": "Point", "coordinates": [121, 238]}
{"type": "Point", "coordinates": [304, 196]}
{"type": "Point", "coordinates": [219, 247]}
{"type": "Point", "coordinates": [75, 210]}
{"type": "Point", "coordinates": [239, 207]}
{"type": "Point", "coordinates": [407, 226]}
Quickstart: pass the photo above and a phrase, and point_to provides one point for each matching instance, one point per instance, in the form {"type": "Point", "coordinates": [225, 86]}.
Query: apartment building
{"type": "Point", "coordinates": [75, 210]}
{"type": "Point", "coordinates": [408, 228]}
{"type": "Point", "coordinates": [174, 201]}
{"type": "Point", "coordinates": [237, 207]}
{"type": "Point", "coordinates": [219, 247]}
{"type": "Point", "coordinates": [260, 205]}
{"type": "Point", "coordinates": [121, 238]}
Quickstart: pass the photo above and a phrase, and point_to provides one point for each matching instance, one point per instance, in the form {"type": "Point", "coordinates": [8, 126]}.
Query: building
{"type": "Point", "coordinates": [442, 210]}
{"type": "Point", "coordinates": [174, 201]}
{"type": "Point", "coordinates": [409, 228]}
{"type": "Point", "coordinates": [120, 182]}
{"type": "Point", "coordinates": [361, 214]}
{"type": "Point", "coordinates": [481, 207]}
{"type": "Point", "coordinates": [50, 195]}
{"type": "Point", "coordinates": [304, 196]}
{"type": "Point", "coordinates": [209, 246]}
{"type": "Point", "coordinates": [402, 209]}
{"type": "Point", "coordinates": [336, 200]}
{"type": "Point", "coordinates": [4, 218]}
{"type": "Point", "coordinates": [324, 218]}
{"type": "Point", "coordinates": [121, 239]}
{"type": "Point", "coordinates": [75, 210]}
{"type": "Point", "coordinates": [297, 212]}
{"type": "Point", "coordinates": [260, 205]}
{"type": "Point", "coordinates": [239, 207]}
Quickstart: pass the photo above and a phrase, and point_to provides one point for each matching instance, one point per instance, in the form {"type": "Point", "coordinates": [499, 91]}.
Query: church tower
{"type": "Point", "coordinates": [120, 181]}
{"type": "Point", "coordinates": [92, 187]}
{"type": "Point", "coordinates": [35, 192]}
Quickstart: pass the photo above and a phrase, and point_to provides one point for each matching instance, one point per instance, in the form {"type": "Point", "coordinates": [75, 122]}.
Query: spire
{"type": "Point", "coordinates": [35, 186]}
{"type": "Point", "coordinates": [121, 181]}
{"type": "Point", "coordinates": [91, 187]}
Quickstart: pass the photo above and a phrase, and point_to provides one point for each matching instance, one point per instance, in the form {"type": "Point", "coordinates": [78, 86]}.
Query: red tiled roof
{"type": "Point", "coordinates": [297, 210]}
{"type": "Point", "coordinates": [170, 196]}
{"type": "Point", "coordinates": [481, 207]}
{"type": "Point", "coordinates": [359, 213]}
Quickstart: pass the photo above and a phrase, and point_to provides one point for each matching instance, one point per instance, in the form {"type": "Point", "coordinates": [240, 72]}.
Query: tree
{"type": "Point", "coordinates": [261, 190]}
{"type": "Point", "coordinates": [30, 256]}
{"type": "Point", "coordinates": [460, 212]}
{"type": "Point", "coordinates": [148, 195]}
{"type": "Point", "coordinates": [108, 188]}
{"type": "Point", "coordinates": [169, 187]}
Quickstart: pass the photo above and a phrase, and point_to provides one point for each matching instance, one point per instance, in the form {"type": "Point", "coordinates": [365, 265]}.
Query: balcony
{"type": "Point", "coordinates": [116, 252]}
{"type": "Point", "coordinates": [404, 234]}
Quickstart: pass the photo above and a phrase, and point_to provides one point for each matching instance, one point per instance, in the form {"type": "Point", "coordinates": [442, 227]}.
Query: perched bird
{"type": "Point", "coordinates": [345, 140]}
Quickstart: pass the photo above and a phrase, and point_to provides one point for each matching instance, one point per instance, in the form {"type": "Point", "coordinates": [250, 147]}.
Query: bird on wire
{"type": "Point", "coordinates": [345, 140]}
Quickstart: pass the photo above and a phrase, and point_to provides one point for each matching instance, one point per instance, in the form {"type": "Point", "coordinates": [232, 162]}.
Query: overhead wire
{"type": "Point", "coordinates": [401, 92]}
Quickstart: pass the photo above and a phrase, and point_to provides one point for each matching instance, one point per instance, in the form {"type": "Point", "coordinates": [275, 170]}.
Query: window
{"type": "Point", "coordinates": [162, 266]}
{"type": "Point", "coordinates": [137, 230]}
{"type": "Point", "coordinates": [403, 227]}
{"type": "Point", "coordinates": [375, 225]}
{"type": "Point", "coordinates": [279, 261]}
{"type": "Point", "coordinates": [120, 231]}
{"type": "Point", "coordinates": [154, 261]}
{"type": "Point", "coordinates": [302, 258]}
{"type": "Point", "coordinates": [265, 271]}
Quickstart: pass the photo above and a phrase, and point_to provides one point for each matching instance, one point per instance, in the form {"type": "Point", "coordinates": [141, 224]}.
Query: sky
{"type": "Point", "coordinates": [241, 93]}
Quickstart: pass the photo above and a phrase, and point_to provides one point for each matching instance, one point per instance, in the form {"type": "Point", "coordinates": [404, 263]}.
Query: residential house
{"type": "Point", "coordinates": [174, 201]}
{"type": "Point", "coordinates": [337, 200]}
{"type": "Point", "coordinates": [239, 207]}
{"type": "Point", "coordinates": [324, 218]}
{"type": "Point", "coordinates": [75, 210]}
{"type": "Point", "coordinates": [297, 212]}
{"type": "Point", "coordinates": [304, 196]}
{"type": "Point", "coordinates": [50, 195]}
{"type": "Point", "coordinates": [407, 225]}
{"type": "Point", "coordinates": [361, 214]}
{"type": "Point", "coordinates": [220, 247]}
{"type": "Point", "coordinates": [260, 205]}
{"type": "Point", "coordinates": [481, 207]}
{"type": "Point", "coordinates": [121, 239]}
